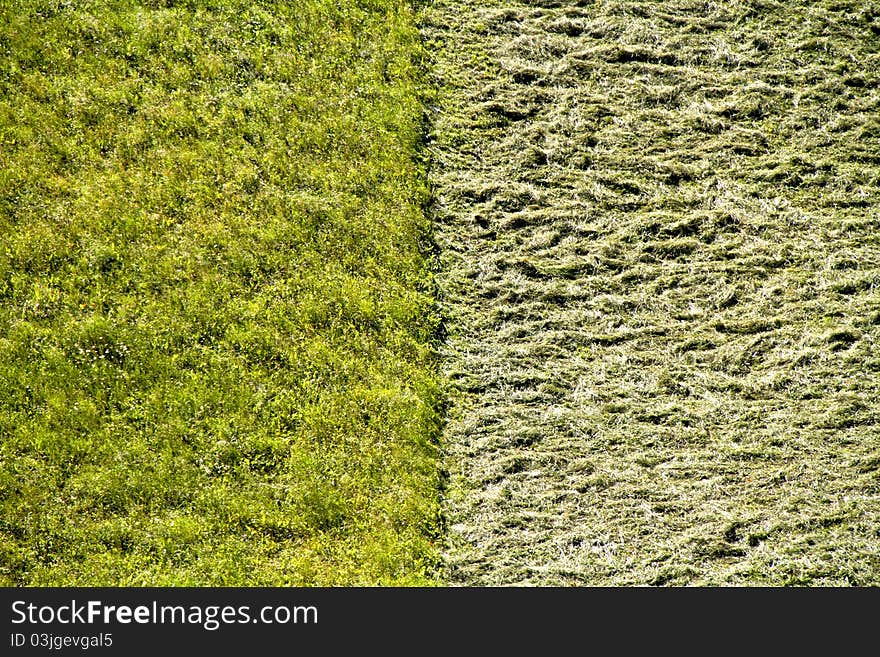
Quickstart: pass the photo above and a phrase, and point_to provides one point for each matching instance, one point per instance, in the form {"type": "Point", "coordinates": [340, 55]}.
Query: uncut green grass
{"type": "Point", "coordinates": [216, 319]}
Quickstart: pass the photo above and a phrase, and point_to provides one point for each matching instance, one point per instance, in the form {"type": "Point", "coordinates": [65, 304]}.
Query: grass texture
{"type": "Point", "coordinates": [660, 234]}
{"type": "Point", "coordinates": [215, 313]}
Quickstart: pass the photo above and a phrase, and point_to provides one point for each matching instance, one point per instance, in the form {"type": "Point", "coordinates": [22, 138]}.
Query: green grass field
{"type": "Point", "coordinates": [216, 319]}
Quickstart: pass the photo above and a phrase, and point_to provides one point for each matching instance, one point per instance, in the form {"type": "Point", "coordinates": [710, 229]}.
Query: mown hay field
{"type": "Point", "coordinates": [659, 226]}
{"type": "Point", "coordinates": [215, 314]}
